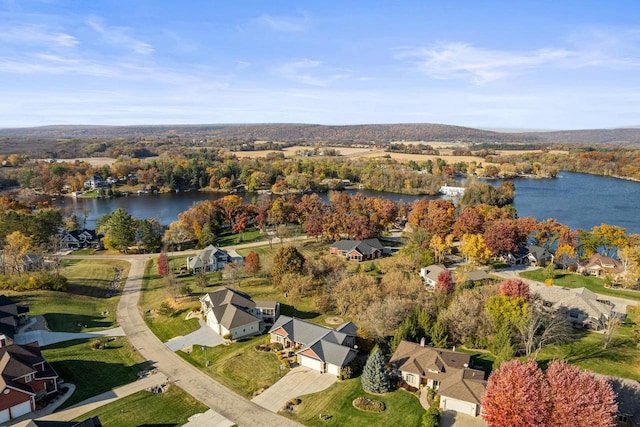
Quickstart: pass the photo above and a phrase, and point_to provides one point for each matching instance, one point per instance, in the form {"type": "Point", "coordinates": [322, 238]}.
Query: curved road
{"type": "Point", "coordinates": [187, 377]}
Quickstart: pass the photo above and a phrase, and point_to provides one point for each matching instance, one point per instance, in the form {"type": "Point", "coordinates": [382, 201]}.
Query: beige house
{"type": "Point", "coordinates": [447, 372]}
{"type": "Point", "coordinates": [602, 266]}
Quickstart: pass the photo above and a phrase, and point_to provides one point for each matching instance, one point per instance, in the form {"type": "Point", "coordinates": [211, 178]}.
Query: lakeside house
{"type": "Point", "coordinates": [11, 316]}
{"type": "Point", "coordinates": [449, 190]}
{"type": "Point", "coordinates": [317, 347]}
{"type": "Point", "coordinates": [78, 239]}
{"type": "Point", "coordinates": [447, 372]}
{"type": "Point", "coordinates": [602, 266]}
{"type": "Point", "coordinates": [358, 250]}
{"type": "Point", "coordinates": [25, 377]}
{"type": "Point", "coordinates": [230, 312]}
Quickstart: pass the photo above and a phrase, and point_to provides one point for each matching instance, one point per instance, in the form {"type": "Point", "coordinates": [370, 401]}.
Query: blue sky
{"type": "Point", "coordinates": [490, 64]}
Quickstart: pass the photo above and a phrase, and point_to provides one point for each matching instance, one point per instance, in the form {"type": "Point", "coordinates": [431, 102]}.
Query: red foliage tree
{"type": "Point", "coordinates": [252, 263]}
{"type": "Point", "coordinates": [502, 237]}
{"type": "Point", "coordinates": [517, 396]}
{"type": "Point", "coordinates": [441, 215]}
{"type": "Point", "coordinates": [163, 265]}
{"type": "Point", "coordinates": [469, 221]}
{"type": "Point", "coordinates": [515, 288]}
{"type": "Point", "coordinates": [444, 282]}
{"type": "Point", "coordinates": [579, 399]}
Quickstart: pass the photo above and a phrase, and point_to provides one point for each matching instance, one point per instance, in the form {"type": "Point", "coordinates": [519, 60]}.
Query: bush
{"type": "Point", "coordinates": [366, 404]}
{"type": "Point", "coordinates": [276, 346]}
{"type": "Point", "coordinates": [166, 309]}
{"type": "Point", "coordinates": [95, 344]}
{"type": "Point", "coordinates": [227, 336]}
{"type": "Point", "coordinates": [431, 418]}
{"type": "Point", "coordinates": [295, 401]}
{"type": "Point", "coordinates": [39, 280]}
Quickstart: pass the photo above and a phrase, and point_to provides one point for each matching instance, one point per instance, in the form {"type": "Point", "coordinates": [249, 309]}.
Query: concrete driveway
{"type": "Point", "coordinates": [452, 418]}
{"type": "Point", "coordinates": [203, 336]}
{"type": "Point", "coordinates": [298, 381]}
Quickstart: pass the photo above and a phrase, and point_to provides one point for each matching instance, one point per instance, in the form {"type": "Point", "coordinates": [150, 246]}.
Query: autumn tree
{"type": "Point", "coordinates": [565, 255]}
{"type": "Point", "coordinates": [542, 327]}
{"type": "Point", "coordinates": [474, 249]}
{"type": "Point", "coordinates": [466, 319]}
{"type": "Point", "coordinates": [579, 398]}
{"type": "Point", "coordinates": [515, 288]}
{"type": "Point", "coordinates": [444, 282]}
{"type": "Point", "coordinates": [163, 264]}
{"type": "Point", "coordinates": [375, 375]}
{"type": "Point", "coordinates": [252, 263]}
{"type": "Point", "coordinates": [503, 236]}
{"type": "Point", "coordinates": [469, 221]}
{"type": "Point", "coordinates": [16, 246]}
{"type": "Point", "coordinates": [286, 260]}
{"type": "Point", "coordinates": [517, 395]}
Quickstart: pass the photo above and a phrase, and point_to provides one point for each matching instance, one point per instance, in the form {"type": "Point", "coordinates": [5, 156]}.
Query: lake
{"type": "Point", "coordinates": [577, 200]}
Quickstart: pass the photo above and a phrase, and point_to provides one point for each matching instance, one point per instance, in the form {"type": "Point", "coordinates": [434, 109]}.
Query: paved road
{"type": "Point", "coordinates": [45, 338]}
{"type": "Point", "coordinates": [194, 382]}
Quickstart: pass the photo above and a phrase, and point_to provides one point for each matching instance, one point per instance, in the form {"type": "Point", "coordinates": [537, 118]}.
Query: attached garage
{"type": "Point", "coordinates": [4, 416]}
{"type": "Point", "coordinates": [449, 403]}
{"type": "Point", "coordinates": [333, 369]}
{"type": "Point", "coordinates": [311, 363]}
{"type": "Point", "coordinates": [20, 409]}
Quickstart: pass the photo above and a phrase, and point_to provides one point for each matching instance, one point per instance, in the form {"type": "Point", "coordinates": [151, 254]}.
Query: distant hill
{"type": "Point", "coordinates": [67, 140]}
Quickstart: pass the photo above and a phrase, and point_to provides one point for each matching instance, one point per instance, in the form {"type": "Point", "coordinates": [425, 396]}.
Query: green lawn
{"type": "Point", "coordinates": [155, 292]}
{"type": "Point", "coordinates": [171, 408]}
{"type": "Point", "coordinates": [403, 408]}
{"type": "Point", "coordinates": [572, 280]}
{"type": "Point", "coordinates": [251, 235]}
{"type": "Point", "coordinates": [94, 371]}
{"type": "Point", "coordinates": [239, 366]}
{"type": "Point", "coordinates": [620, 359]}
{"type": "Point", "coordinates": [85, 302]}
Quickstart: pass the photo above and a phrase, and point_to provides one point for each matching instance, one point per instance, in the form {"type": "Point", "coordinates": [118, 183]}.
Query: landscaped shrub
{"type": "Point", "coordinates": [366, 404]}
{"type": "Point", "coordinates": [276, 346]}
{"type": "Point", "coordinates": [227, 336]}
{"type": "Point", "coordinates": [295, 401]}
{"type": "Point", "coordinates": [166, 309]}
{"type": "Point", "coordinates": [431, 418]}
{"type": "Point", "coordinates": [95, 345]}
{"type": "Point", "coordinates": [38, 280]}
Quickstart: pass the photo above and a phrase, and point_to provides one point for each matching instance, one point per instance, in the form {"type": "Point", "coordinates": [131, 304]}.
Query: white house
{"type": "Point", "coordinates": [230, 312]}
{"type": "Point", "coordinates": [430, 274]}
{"type": "Point", "coordinates": [210, 258]}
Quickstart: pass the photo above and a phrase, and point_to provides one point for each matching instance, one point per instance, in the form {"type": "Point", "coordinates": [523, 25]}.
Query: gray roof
{"type": "Point", "coordinates": [477, 275]}
{"type": "Point", "coordinates": [348, 328]}
{"type": "Point", "coordinates": [230, 316]}
{"type": "Point", "coordinates": [327, 344]}
{"type": "Point", "coordinates": [206, 256]}
{"type": "Point", "coordinates": [431, 272]}
{"type": "Point", "coordinates": [330, 352]}
{"type": "Point", "coordinates": [538, 252]}
{"type": "Point", "coordinates": [365, 247]}
{"type": "Point", "coordinates": [229, 296]}
{"type": "Point", "coordinates": [573, 299]}
{"type": "Point", "coordinates": [266, 304]}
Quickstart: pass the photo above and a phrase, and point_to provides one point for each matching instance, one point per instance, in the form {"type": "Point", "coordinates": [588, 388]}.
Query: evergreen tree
{"type": "Point", "coordinates": [439, 335]}
{"type": "Point", "coordinates": [375, 376]}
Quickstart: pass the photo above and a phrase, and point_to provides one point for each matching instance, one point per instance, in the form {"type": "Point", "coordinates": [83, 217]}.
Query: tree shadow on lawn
{"type": "Point", "coordinates": [64, 322]}
{"type": "Point", "coordinates": [97, 290]}
{"type": "Point", "coordinates": [289, 310]}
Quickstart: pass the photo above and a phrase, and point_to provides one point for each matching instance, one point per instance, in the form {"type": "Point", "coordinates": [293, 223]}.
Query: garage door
{"type": "Point", "coordinates": [459, 406]}
{"type": "Point", "coordinates": [311, 363]}
{"type": "Point", "coordinates": [4, 416]}
{"type": "Point", "coordinates": [21, 409]}
{"type": "Point", "coordinates": [333, 369]}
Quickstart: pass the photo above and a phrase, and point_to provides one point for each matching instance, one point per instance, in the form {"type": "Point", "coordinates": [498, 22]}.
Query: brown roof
{"type": "Point", "coordinates": [449, 368]}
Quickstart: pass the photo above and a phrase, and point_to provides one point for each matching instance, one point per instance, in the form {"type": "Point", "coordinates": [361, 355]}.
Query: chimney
{"type": "Point", "coordinates": [422, 341]}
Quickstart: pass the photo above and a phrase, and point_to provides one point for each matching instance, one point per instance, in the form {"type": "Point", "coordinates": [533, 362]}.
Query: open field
{"type": "Point", "coordinates": [94, 371]}
{"type": "Point", "coordinates": [173, 407]}
{"type": "Point", "coordinates": [93, 161]}
{"type": "Point", "coordinates": [402, 407]}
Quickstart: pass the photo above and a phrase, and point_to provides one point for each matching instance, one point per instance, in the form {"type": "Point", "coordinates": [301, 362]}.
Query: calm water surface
{"type": "Point", "coordinates": [577, 200]}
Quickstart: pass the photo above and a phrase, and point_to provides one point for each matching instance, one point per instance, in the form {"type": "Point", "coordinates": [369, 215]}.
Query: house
{"type": "Point", "coordinates": [210, 258]}
{"type": "Point", "coordinates": [475, 276]}
{"type": "Point", "coordinates": [430, 274]}
{"type": "Point", "coordinates": [95, 182]}
{"type": "Point", "coordinates": [627, 395]}
{"type": "Point", "coordinates": [358, 250]}
{"type": "Point", "coordinates": [230, 312]}
{"type": "Point", "coordinates": [25, 376]}
{"type": "Point", "coordinates": [581, 306]}
{"type": "Point", "coordinates": [77, 239]}
{"type": "Point", "coordinates": [537, 255]}
{"type": "Point", "coordinates": [448, 372]}
{"type": "Point", "coordinates": [318, 347]}
{"type": "Point", "coordinates": [602, 266]}
{"type": "Point", "coordinates": [11, 316]}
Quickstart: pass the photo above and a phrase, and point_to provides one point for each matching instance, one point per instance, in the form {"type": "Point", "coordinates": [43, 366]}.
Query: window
{"type": "Point", "coordinates": [27, 378]}
{"type": "Point", "coordinates": [623, 418]}
{"type": "Point", "coordinates": [410, 378]}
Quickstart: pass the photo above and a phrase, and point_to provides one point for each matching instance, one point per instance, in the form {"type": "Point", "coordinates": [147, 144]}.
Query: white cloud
{"type": "Point", "coordinates": [283, 24]}
{"type": "Point", "coordinates": [121, 37]}
{"type": "Point", "coordinates": [479, 65]}
{"type": "Point", "coordinates": [301, 72]}
{"type": "Point", "coordinates": [37, 35]}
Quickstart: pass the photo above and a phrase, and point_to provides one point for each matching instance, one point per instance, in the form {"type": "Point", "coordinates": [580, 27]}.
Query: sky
{"type": "Point", "coordinates": [489, 64]}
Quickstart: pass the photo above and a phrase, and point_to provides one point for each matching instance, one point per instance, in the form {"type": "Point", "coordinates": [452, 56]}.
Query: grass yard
{"type": "Point", "coordinates": [572, 280]}
{"type": "Point", "coordinates": [171, 408]}
{"type": "Point", "coordinates": [403, 408]}
{"type": "Point", "coordinates": [85, 302]}
{"type": "Point", "coordinates": [155, 292]}
{"type": "Point", "coordinates": [94, 371]}
{"type": "Point", "coordinates": [620, 359]}
{"type": "Point", "coordinates": [251, 235]}
{"type": "Point", "coordinates": [239, 366]}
